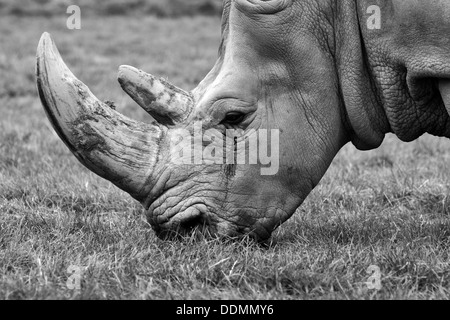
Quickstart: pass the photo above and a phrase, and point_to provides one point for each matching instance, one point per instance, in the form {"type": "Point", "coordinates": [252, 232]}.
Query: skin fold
{"type": "Point", "coordinates": [311, 69]}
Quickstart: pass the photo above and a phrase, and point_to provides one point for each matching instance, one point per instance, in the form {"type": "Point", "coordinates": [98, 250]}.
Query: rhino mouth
{"type": "Point", "coordinates": [201, 214]}
{"type": "Point", "coordinates": [189, 222]}
{"type": "Point", "coordinates": [174, 225]}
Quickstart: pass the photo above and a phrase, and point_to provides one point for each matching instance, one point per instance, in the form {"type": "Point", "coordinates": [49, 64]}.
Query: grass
{"type": "Point", "coordinates": [389, 207]}
{"type": "Point", "coordinates": [160, 8]}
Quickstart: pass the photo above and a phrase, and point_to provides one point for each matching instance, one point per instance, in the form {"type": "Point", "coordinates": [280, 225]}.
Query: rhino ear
{"type": "Point", "coordinates": [263, 6]}
{"type": "Point", "coordinates": [111, 145]}
{"type": "Point", "coordinates": [165, 102]}
{"type": "Point", "coordinates": [444, 88]}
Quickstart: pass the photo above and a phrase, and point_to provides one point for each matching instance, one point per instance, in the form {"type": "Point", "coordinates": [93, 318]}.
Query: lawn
{"type": "Point", "coordinates": [388, 208]}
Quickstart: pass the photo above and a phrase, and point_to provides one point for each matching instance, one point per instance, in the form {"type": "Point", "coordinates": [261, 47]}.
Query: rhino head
{"type": "Point", "coordinates": [285, 67]}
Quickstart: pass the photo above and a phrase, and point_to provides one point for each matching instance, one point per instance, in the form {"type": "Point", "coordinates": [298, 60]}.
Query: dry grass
{"type": "Point", "coordinates": [387, 207]}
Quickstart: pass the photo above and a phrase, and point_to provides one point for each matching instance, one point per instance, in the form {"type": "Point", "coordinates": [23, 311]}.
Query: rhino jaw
{"type": "Point", "coordinates": [111, 145]}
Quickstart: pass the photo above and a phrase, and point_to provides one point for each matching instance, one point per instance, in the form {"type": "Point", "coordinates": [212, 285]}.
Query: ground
{"type": "Point", "coordinates": [387, 208]}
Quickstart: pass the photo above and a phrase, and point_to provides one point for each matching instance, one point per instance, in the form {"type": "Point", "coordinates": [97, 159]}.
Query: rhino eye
{"type": "Point", "coordinates": [233, 118]}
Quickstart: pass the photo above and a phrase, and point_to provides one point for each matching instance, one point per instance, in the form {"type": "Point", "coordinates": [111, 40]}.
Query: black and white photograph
{"type": "Point", "coordinates": [237, 152]}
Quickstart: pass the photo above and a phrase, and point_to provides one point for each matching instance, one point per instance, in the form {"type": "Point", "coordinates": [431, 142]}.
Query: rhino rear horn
{"type": "Point", "coordinates": [165, 102]}
{"type": "Point", "coordinates": [111, 145]}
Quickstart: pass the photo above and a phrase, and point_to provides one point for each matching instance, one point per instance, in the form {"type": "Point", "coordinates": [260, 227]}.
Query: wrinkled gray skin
{"type": "Point", "coordinates": [312, 69]}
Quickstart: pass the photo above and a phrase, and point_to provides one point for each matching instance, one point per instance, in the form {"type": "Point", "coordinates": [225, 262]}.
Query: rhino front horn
{"type": "Point", "coordinates": [111, 145]}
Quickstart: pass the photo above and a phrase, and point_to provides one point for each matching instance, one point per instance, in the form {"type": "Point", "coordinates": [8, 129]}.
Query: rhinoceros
{"type": "Point", "coordinates": [316, 71]}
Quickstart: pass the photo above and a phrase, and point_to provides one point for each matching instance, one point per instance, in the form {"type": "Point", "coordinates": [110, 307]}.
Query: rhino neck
{"type": "Point", "coordinates": [366, 119]}
{"type": "Point", "coordinates": [398, 84]}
